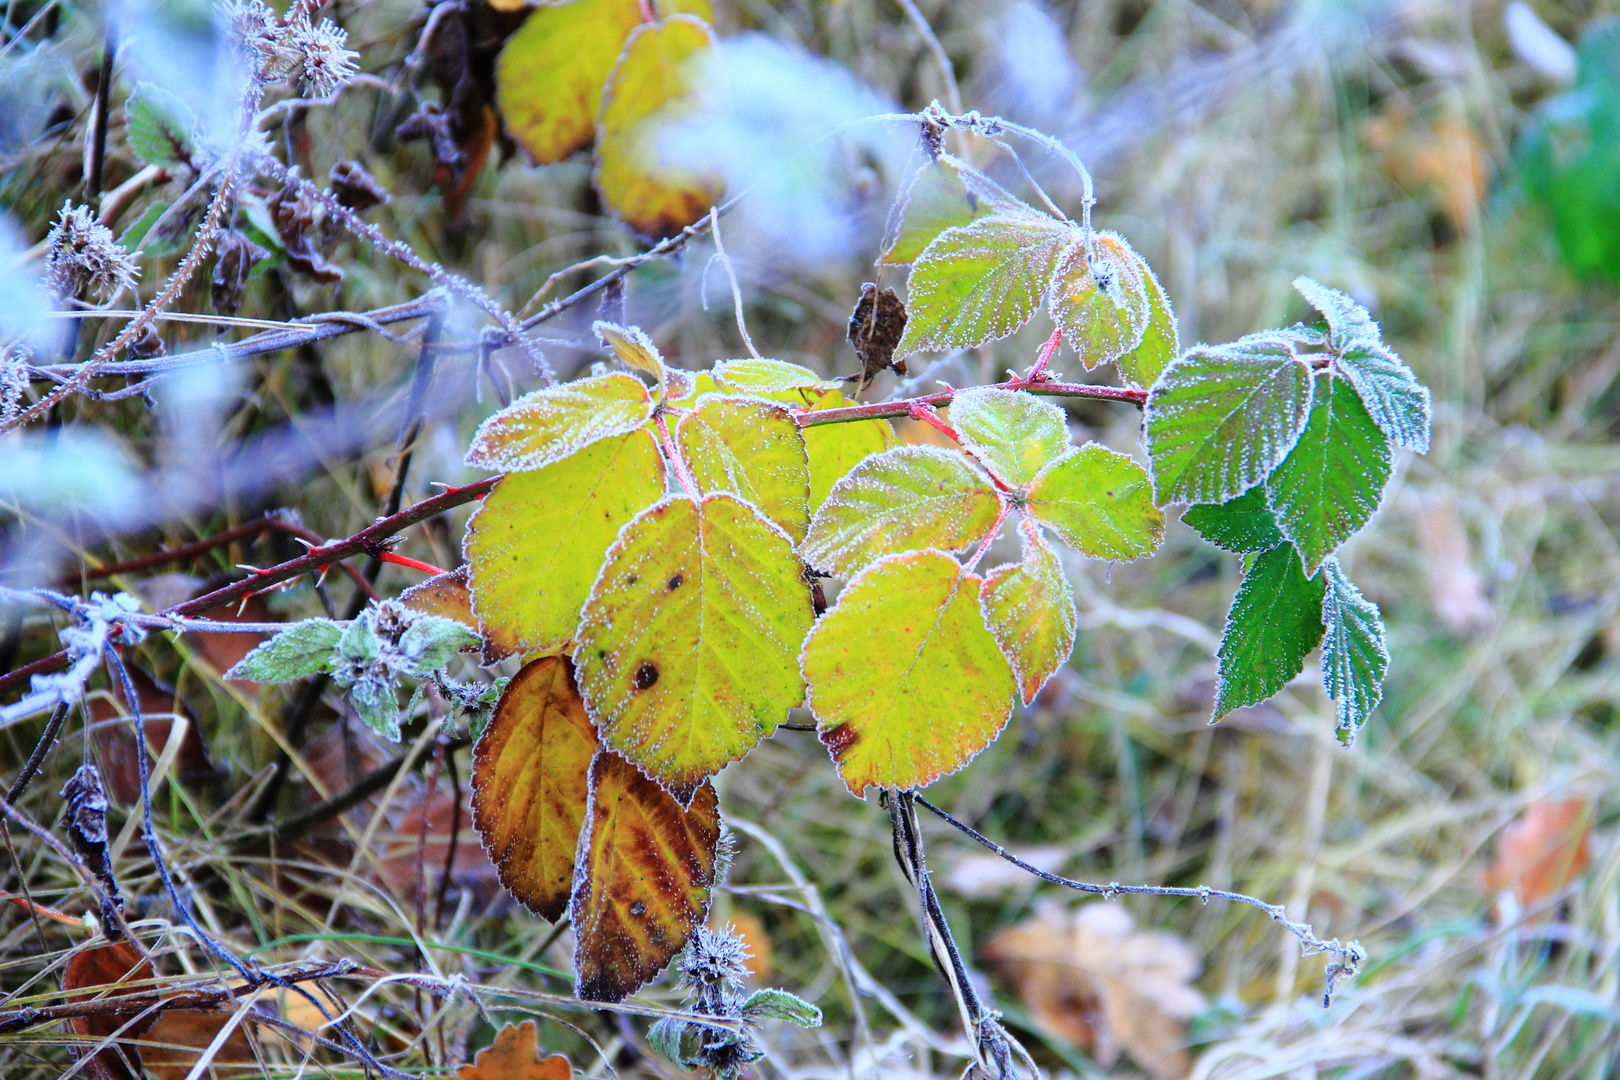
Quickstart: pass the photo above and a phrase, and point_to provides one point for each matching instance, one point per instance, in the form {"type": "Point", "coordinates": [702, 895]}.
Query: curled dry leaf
{"type": "Point", "coordinates": [875, 327]}
{"type": "Point", "coordinates": [105, 973]}
{"type": "Point", "coordinates": [1089, 976]}
{"type": "Point", "coordinates": [515, 1055]}
{"type": "Point", "coordinates": [1542, 851]}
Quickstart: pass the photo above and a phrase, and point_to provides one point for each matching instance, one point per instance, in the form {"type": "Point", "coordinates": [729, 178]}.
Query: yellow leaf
{"type": "Point", "coordinates": [652, 79]}
{"type": "Point", "coordinates": [635, 351]}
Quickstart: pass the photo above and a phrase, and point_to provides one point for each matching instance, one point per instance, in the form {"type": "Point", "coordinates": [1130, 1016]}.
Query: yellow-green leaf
{"type": "Point", "coordinates": [1161, 341]}
{"type": "Point", "coordinates": [652, 79]}
{"type": "Point", "coordinates": [537, 541]}
{"type": "Point", "coordinates": [1100, 299]}
{"type": "Point", "coordinates": [765, 376]}
{"type": "Point", "coordinates": [1014, 435]}
{"type": "Point", "coordinates": [548, 425]}
{"type": "Point", "coordinates": [943, 193]}
{"type": "Point", "coordinates": [635, 350]}
{"type": "Point", "coordinates": [687, 647]}
{"type": "Point", "coordinates": [905, 499]}
{"type": "Point", "coordinates": [530, 783]}
{"type": "Point", "coordinates": [906, 682]}
{"type": "Point", "coordinates": [645, 878]}
{"type": "Point", "coordinates": [835, 449]}
{"type": "Point", "coordinates": [754, 450]}
{"type": "Point", "coordinates": [1099, 502]}
{"type": "Point", "coordinates": [1029, 607]}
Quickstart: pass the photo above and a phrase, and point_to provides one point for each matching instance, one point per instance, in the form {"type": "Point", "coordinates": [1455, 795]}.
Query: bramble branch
{"type": "Point", "coordinates": [908, 406]}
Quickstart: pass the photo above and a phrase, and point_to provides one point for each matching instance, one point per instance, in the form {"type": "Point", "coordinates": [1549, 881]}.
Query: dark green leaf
{"type": "Point", "coordinates": [1275, 621]}
{"type": "Point", "coordinates": [160, 127]}
{"type": "Point", "coordinates": [1243, 524]}
{"type": "Point", "coordinates": [1354, 655]}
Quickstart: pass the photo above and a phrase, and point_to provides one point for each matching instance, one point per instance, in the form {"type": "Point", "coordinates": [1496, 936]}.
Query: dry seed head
{"type": "Point", "coordinates": [82, 254]}
{"type": "Point", "coordinates": [318, 53]}
{"type": "Point", "coordinates": [715, 958]}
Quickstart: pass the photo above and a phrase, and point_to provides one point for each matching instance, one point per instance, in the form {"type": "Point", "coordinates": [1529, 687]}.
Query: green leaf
{"type": "Point", "coordinates": [1029, 607]}
{"type": "Point", "coordinates": [943, 193]}
{"type": "Point", "coordinates": [160, 127]}
{"type": "Point", "coordinates": [538, 539]}
{"type": "Point", "coordinates": [303, 648]}
{"type": "Point", "coordinates": [762, 376]}
{"type": "Point", "coordinates": [1099, 298]}
{"type": "Point", "coordinates": [1355, 657]}
{"type": "Point", "coordinates": [1220, 419]}
{"type": "Point", "coordinates": [1015, 435]}
{"type": "Point", "coordinates": [1161, 340]}
{"type": "Point", "coordinates": [781, 1005]}
{"type": "Point", "coordinates": [359, 641]}
{"type": "Point", "coordinates": [905, 680]}
{"type": "Point", "coordinates": [1243, 524]}
{"type": "Point", "coordinates": [376, 706]}
{"type": "Point", "coordinates": [650, 83]}
{"type": "Point", "coordinates": [754, 450]}
{"type": "Point", "coordinates": [1349, 322]}
{"type": "Point", "coordinates": [548, 425]}
{"type": "Point", "coordinates": [430, 641]}
{"type": "Point", "coordinates": [1100, 502]}
{"type": "Point", "coordinates": [979, 282]}
{"type": "Point", "coordinates": [905, 499]}
{"type": "Point", "coordinates": [1275, 621]}
{"type": "Point", "coordinates": [686, 646]}
{"type": "Point", "coordinates": [835, 449]}
{"type": "Point", "coordinates": [1330, 484]}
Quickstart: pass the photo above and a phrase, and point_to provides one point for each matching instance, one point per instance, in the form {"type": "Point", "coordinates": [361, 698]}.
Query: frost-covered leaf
{"type": "Point", "coordinates": [781, 1005]}
{"type": "Point", "coordinates": [979, 282]}
{"type": "Point", "coordinates": [650, 82]}
{"type": "Point", "coordinates": [447, 595]}
{"type": "Point", "coordinates": [636, 351]}
{"type": "Point", "coordinates": [1348, 321]}
{"type": "Point", "coordinates": [1015, 435]}
{"type": "Point", "coordinates": [548, 425]}
{"type": "Point", "coordinates": [1099, 502]}
{"type": "Point", "coordinates": [160, 127]}
{"type": "Point", "coordinates": [1331, 482]}
{"type": "Point", "coordinates": [377, 706]}
{"type": "Point", "coordinates": [303, 648]}
{"type": "Point", "coordinates": [1355, 657]}
{"type": "Point", "coordinates": [1161, 341]}
{"type": "Point", "coordinates": [764, 376]}
{"type": "Point", "coordinates": [1275, 621]}
{"type": "Point", "coordinates": [754, 450]}
{"type": "Point", "coordinates": [905, 680]}
{"type": "Point", "coordinates": [1220, 419]}
{"type": "Point", "coordinates": [535, 544]}
{"type": "Point", "coordinates": [943, 193]}
{"type": "Point", "coordinates": [1029, 607]}
{"type": "Point", "coordinates": [549, 76]}
{"type": "Point", "coordinates": [530, 783]}
{"type": "Point", "coordinates": [430, 641]}
{"type": "Point", "coordinates": [1100, 298]}
{"type": "Point", "coordinates": [686, 647]}
{"type": "Point", "coordinates": [835, 449]}
{"type": "Point", "coordinates": [905, 499]}
{"type": "Point", "coordinates": [646, 870]}
{"type": "Point", "coordinates": [1243, 524]}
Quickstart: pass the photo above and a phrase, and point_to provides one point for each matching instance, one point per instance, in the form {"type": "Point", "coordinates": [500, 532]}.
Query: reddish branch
{"type": "Point", "coordinates": [908, 406]}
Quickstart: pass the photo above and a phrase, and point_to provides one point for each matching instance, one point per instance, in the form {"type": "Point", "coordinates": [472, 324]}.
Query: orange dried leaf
{"type": "Point", "coordinates": [1542, 851]}
{"type": "Point", "coordinates": [175, 1045]}
{"type": "Point", "coordinates": [102, 974]}
{"type": "Point", "coordinates": [446, 595]}
{"type": "Point", "coordinates": [530, 779]}
{"type": "Point", "coordinates": [515, 1055]}
{"type": "Point", "coordinates": [642, 888]}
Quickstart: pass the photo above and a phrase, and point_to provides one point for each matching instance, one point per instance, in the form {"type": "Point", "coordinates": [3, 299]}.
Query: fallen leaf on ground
{"type": "Point", "coordinates": [1542, 851]}
{"type": "Point", "coordinates": [1455, 588]}
{"type": "Point", "coordinates": [115, 734]}
{"type": "Point", "coordinates": [1089, 976]}
{"type": "Point", "coordinates": [95, 974]}
{"type": "Point", "coordinates": [515, 1055]}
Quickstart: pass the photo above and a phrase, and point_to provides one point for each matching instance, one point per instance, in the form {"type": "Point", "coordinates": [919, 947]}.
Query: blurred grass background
{"type": "Point", "coordinates": [1236, 144]}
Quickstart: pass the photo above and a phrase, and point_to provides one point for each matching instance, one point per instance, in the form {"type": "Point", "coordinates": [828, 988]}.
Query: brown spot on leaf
{"type": "Point", "coordinates": [646, 675]}
{"type": "Point", "coordinates": [675, 582]}
{"type": "Point", "coordinates": [874, 329]}
{"type": "Point", "coordinates": [839, 739]}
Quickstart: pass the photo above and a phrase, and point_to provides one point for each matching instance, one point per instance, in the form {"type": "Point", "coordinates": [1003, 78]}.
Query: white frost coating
{"type": "Point", "coordinates": [1100, 298]}
{"type": "Point", "coordinates": [1029, 608]}
{"type": "Point", "coordinates": [905, 499]}
{"type": "Point", "coordinates": [1098, 502]}
{"type": "Point", "coordinates": [1399, 404]}
{"type": "Point", "coordinates": [1015, 435]}
{"type": "Point", "coordinates": [990, 196]}
{"type": "Point", "coordinates": [1220, 418]}
{"type": "Point", "coordinates": [765, 376]}
{"type": "Point", "coordinates": [981, 281]}
{"type": "Point", "coordinates": [549, 425]}
{"type": "Point", "coordinates": [634, 349]}
{"type": "Point", "coordinates": [752, 448]}
{"type": "Point", "coordinates": [1355, 657]}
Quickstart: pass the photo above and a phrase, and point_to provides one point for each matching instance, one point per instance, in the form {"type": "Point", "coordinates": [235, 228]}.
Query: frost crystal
{"type": "Point", "coordinates": [14, 361]}
{"type": "Point", "coordinates": [82, 254]}
{"type": "Point", "coordinates": [319, 54]}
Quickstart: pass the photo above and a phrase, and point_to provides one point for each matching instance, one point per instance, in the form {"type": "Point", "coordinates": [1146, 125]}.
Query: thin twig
{"type": "Point", "coordinates": [731, 275]}
{"type": "Point", "coordinates": [953, 95]}
{"type": "Point", "coordinates": [908, 406]}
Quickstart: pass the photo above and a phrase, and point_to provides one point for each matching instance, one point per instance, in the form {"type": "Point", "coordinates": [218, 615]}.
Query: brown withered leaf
{"type": "Point", "coordinates": [95, 975]}
{"type": "Point", "coordinates": [116, 736]}
{"type": "Point", "coordinates": [515, 1055]}
{"type": "Point", "coordinates": [642, 886]}
{"type": "Point", "coordinates": [1542, 851]}
{"type": "Point", "coordinates": [531, 783]}
{"type": "Point", "coordinates": [469, 868]}
{"type": "Point", "coordinates": [174, 1045]}
{"type": "Point", "coordinates": [875, 327]}
{"type": "Point", "coordinates": [1089, 976]}
{"type": "Point", "coordinates": [446, 595]}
